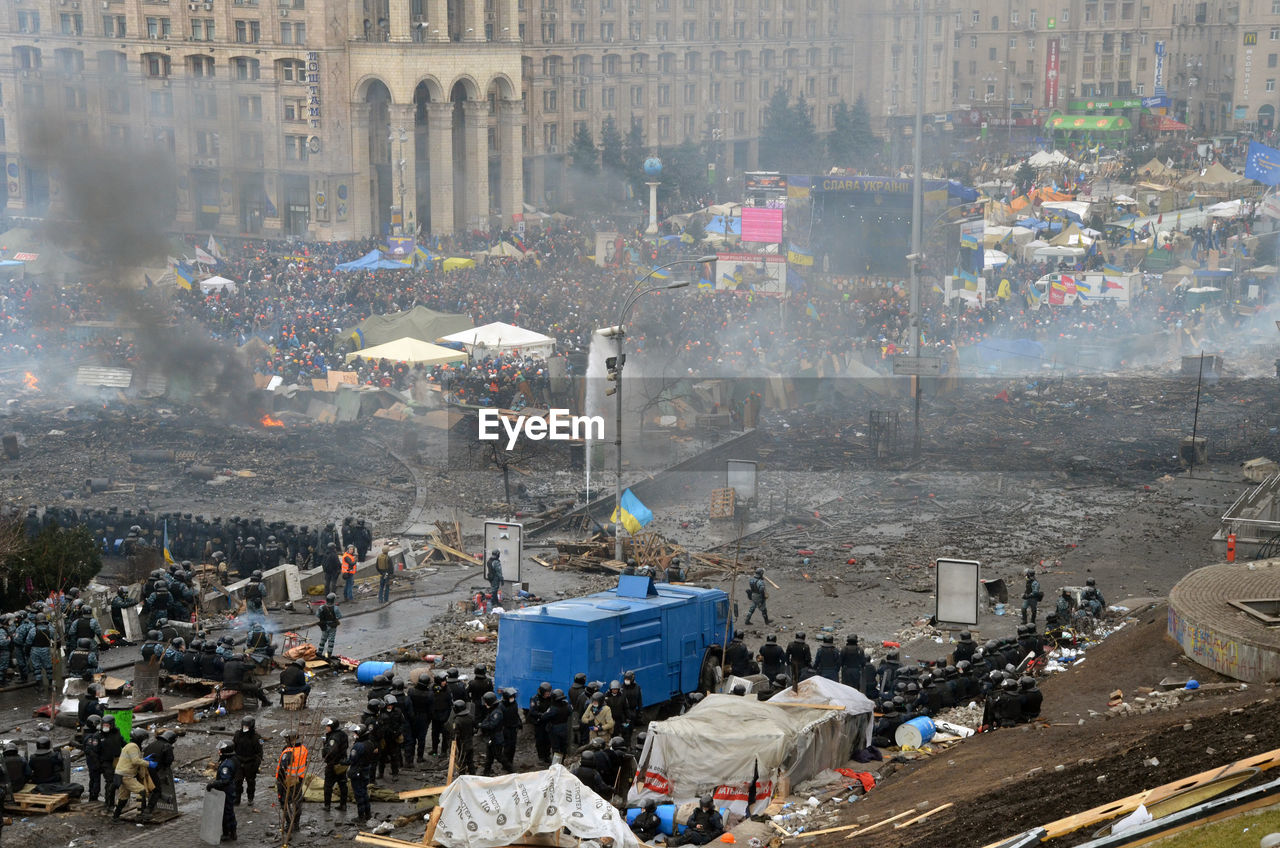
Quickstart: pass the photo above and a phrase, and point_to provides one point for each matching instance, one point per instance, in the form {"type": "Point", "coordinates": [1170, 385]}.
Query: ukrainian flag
{"type": "Point", "coordinates": [635, 515]}
{"type": "Point", "coordinates": [185, 275]}
{"type": "Point", "coordinates": [168, 557]}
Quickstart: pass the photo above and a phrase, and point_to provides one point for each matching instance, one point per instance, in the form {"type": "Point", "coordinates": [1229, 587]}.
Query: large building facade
{"type": "Point", "coordinates": [329, 119]}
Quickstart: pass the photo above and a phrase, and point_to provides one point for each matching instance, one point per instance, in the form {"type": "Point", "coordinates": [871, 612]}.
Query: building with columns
{"type": "Point", "coordinates": [315, 118]}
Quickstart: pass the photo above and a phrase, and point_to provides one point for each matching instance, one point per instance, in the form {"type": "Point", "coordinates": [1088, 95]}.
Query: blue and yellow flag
{"type": "Point", "coordinates": [168, 557]}
{"type": "Point", "coordinates": [635, 515]}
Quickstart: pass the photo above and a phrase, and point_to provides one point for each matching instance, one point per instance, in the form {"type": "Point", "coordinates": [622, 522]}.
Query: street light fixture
{"type": "Point", "coordinates": [614, 364]}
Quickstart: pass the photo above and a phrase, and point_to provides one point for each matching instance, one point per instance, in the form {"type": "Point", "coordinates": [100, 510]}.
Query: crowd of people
{"type": "Point", "coordinates": [303, 311]}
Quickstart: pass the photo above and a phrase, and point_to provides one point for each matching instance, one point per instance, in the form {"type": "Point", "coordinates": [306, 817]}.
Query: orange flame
{"type": "Point", "coordinates": [268, 421]}
{"type": "Point", "coordinates": [29, 380]}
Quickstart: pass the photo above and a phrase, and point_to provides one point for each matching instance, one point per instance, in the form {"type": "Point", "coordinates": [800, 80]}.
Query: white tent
{"type": "Point", "coordinates": [489, 812]}
{"type": "Point", "coordinates": [410, 350]}
{"type": "Point", "coordinates": [1056, 251]}
{"type": "Point", "coordinates": [217, 284]}
{"type": "Point", "coordinates": [1045, 159]}
{"type": "Point", "coordinates": [1225, 209]}
{"type": "Point", "coordinates": [738, 749]}
{"type": "Point", "coordinates": [1079, 208]}
{"type": "Point", "coordinates": [994, 258]}
{"type": "Point", "coordinates": [503, 338]}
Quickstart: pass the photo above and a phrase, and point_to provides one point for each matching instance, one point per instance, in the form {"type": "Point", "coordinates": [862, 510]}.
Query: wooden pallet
{"type": "Point", "coordinates": [723, 503]}
{"type": "Point", "coordinates": [158, 816]}
{"type": "Point", "coordinates": [31, 802]}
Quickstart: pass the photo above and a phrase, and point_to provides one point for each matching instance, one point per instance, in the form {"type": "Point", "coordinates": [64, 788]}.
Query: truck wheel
{"type": "Point", "coordinates": [710, 675]}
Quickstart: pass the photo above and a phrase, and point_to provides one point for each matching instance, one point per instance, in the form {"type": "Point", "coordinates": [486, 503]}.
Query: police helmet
{"type": "Point", "coordinates": [374, 704]}
{"type": "Point", "coordinates": [84, 644]}
{"type": "Point", "coordinates": [330, 598]}
{"type": "Point", "coordinates": [452, 674]}
{"type": "Point", "coordinates": [1091, 582]}
{"type": "Point", "coordinates": [225, 747]}
{"type": "Point", "coordinates": [1009, 684]}
{"type": "Point", "coordinates": [851, 639]}
{"type": "Point", "coordinates": [614, 685]}
{"type": "Point", "coordinates": [1027, 682]}
{"type": "Point", "coordinates": [966, 636]}
{"type": "Point", "coordinates": [153, 635]}
{"type": "Point", "coordinates": [169, 736]}
{"type": "Point", "coordinates": [892, 655]}
{"type": "Point", "coordinates": [597, 698]}
{"type": "Point", "coordinates": [800, 636]}
{"type": "Point", "coordinates": [256, 575]}
{"type": "Point", "coordinates": [490, 698]}
{"type": "Point", "coordinates": [390, 701]}
{"type": "Point", "coordinates": [328, 722]}
{"type": "Point", "coordinates": [558, 694]}
{"type": "Point", "coordinates": [544, 688]}
{"type": "Point", "coordinates": [628, 676]}
{"type": "Point", "coordinates": [759, 572]}
{"type": "Point", "coordinates": [706, 802]}
{"type": "Point", "coordinates": [95, 720]}
{"type": "Point", "coordinates": [459, 707]}
{"type": "Point", "coordinates": [138, 734]}
{"type": "Point", "coordinates": [771, 639]}
{"type": "Point", "coordinates": [739, 689]}
{"type": "Point", "coordinates": [480, 669]}
{"type": "Point", "coordinates": [580, 678]}
{"type": "Point", "coordinates": [289, 735]}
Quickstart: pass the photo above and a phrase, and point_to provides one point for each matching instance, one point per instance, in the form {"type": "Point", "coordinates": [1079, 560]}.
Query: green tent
{"type": "Point", "coordinates": [418, 323]}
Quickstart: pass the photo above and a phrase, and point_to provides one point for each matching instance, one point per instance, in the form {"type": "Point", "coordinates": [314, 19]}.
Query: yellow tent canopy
{"type": "Point", "coordinates": [410, 350]}
{"type": "Point", "coordinates": [453, 263]}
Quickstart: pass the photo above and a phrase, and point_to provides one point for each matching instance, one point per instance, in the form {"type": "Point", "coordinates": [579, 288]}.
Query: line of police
{"type": "Point", "coordinates": [989, 672]}
{"type": "Point", "coordinates": [244, 543]}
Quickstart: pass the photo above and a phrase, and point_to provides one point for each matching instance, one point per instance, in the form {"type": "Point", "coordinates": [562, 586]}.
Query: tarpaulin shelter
{"type": "Point", "coordinates": [456, 263]}
{"type": "Point", "coordinates": [374, 261]}
{"type": "Point", "coordinates": [502, 338]}
{"type": "Point", "coordinates": [216, 284]}
{"type": "Point", "coordinates": [1216, 177]}
{"type": "Point", "coordinates": [493, 812]}
{"type": "Point", "coordinates": [1072, 236]}
{"type": "Point", "coordinates": [417, 323]}
{"type": "Point", "coordinates": [410, 350]}
{"type": "Point", "coordinates": [503, 248]}
{"type": "Point", "coordinates": [1154, 168]}
{"type": "Point", "coordinates": [738, 749]}
{"type": "Point", "coordinates": [992, 258]}
{"type": "Point", "coordinates": [1076, 210]}
{"type": "Point", "coordinates": [1166, 124]}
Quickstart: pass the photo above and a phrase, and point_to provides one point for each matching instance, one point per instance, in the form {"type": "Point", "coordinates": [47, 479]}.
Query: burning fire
{"type": "Point", "coordinates": [268, 421]}
{"type": "Point", "coordinates": [29, 380]}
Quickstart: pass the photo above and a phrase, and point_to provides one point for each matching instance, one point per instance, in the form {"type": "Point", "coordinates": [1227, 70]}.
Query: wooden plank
{"type": "Point", "coordinates": [880, 824]}
{"type": "Point", "coordinates": [922, 816]}
{"type": "Point", "coordinates": [429, 836]}
{"type": "Point", "coordinates": [457, 553]}
{"type": "Point", "coordinates": [31, 802]}
{"type": "Point", "coordinates": [384, 841]}
{"type": "Point", "coordinates": [410, 794]}
{"type": "Point", "coordinates": [840, 829]}
{"type": "Point", "coordinates": [1123, 806]}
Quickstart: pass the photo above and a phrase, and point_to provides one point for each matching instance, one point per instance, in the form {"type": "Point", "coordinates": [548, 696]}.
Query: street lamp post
{"type": "Point", "coordinates": [399, 135]}
{"type": "Point", "coordinates": [618, 332]}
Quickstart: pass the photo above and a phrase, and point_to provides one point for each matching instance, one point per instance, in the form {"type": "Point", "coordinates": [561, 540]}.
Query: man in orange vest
{"type": "Point", "coordinates": [348, 561]}
{"type": "Point", "coordinates": [289, 775]}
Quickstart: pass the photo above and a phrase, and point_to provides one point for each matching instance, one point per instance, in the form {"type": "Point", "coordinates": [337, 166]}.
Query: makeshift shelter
{"type": "Point", "coordinates": [1072, 236]}
{"type": "Point", "coordinates": [418, 323]}
{"type": "Point", "coordinates": [1225, 209]}
{"type": "Point", "coordinates": [503, 248]}
{"type": "Point", "coordinates": [1042, 159]}
{"type": "Point", "coordinates": [1215, 178]}
{"type": "Point", "coordinates": [1076, 210]}
{"type": "Point", "coordinates": [502, 338]}
{"type": "Point", "coordinates": [994, 258]}
{"type": "Point", "coordinates": [410, 350]}
{"type": "Point", "coordinates": [1166, 124]}
{"type": "Point", "coordinates": [1154, 168]}
{"type": "Point", "coordinates": [492, 812]}
{"type": "Point", "coordinates": [456, 263]}
{"type": "Point", "coordinates": [1055, 252]}
{"type": "Point", "coordinates": [739, 749]}
{"type": "Point", "coordinates": [216, 284]}
{"type": "Point", "coordinates": [374, 261]}
{"type": "Point", "coordinates": [995, 236]}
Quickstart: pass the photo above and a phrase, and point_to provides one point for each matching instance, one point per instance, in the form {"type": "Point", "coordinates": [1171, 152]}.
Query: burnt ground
{"type": "Point", "coordinates": [1078, 478]}
{"type": "Point", "coordinates": [1005, 782]}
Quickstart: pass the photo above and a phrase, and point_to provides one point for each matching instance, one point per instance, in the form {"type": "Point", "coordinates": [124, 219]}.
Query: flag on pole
{"type": "Point", "coordinates": [204, 258]}
{"type": "Point", "coordinates": [185, 274]}
{"type": "Point", "coordinates": [168, 557]}
{"type": "Point", "coordinates": [634, 515]}
{"type": "Point", "coordinates": [214, 248]}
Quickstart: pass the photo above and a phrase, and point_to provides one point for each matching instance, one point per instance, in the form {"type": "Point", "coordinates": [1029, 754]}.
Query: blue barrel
{"type": "Point", "coordinates": [366, 671]}
{"type": "Point", "coordinates": [914, 733]}
{"type": "Point", "coordinates": [666, 817]}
